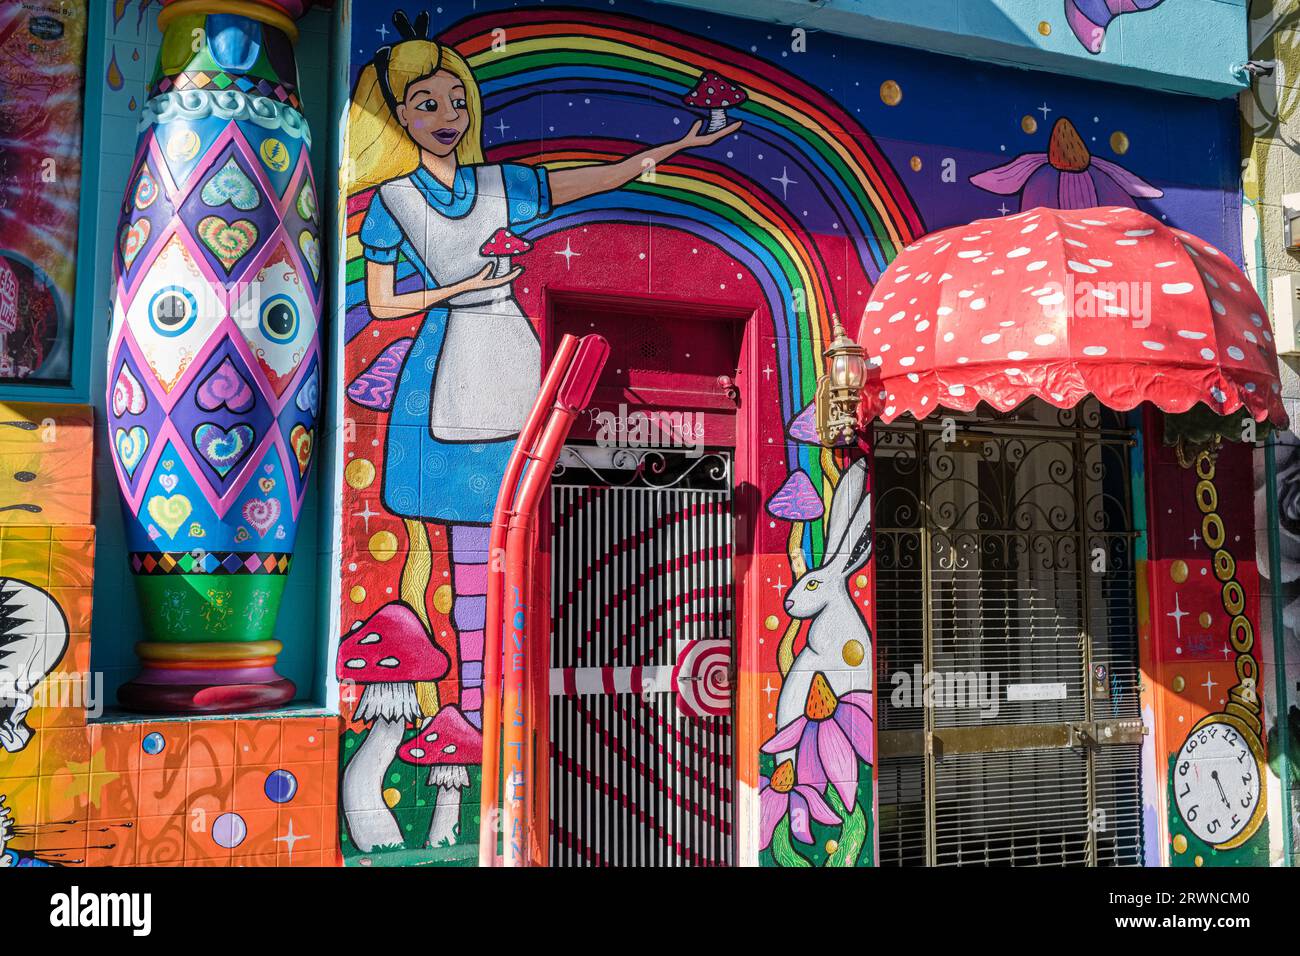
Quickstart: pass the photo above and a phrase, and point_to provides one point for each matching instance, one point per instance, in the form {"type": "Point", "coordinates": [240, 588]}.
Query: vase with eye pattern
{"type": "Point", "coordinates": [214, 373]}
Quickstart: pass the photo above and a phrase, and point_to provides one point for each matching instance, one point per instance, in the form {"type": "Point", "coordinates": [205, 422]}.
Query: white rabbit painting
{"type": "Point", "coordinates": [823, 596]}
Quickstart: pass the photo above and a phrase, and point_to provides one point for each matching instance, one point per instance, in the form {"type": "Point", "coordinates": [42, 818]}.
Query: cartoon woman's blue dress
{"type": "Point", "coordinates": [472, 372]}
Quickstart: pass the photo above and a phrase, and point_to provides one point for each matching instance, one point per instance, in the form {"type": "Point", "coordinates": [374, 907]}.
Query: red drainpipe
{"type": "Point", "coordinates": [511, 615]}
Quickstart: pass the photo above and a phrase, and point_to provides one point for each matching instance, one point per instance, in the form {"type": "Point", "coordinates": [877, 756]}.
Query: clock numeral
{"type": "Point", "coordinates": [1190, 813]}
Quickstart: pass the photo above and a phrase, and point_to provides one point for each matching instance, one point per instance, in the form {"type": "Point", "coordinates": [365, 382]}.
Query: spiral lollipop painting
{"type": "Point", "coordinates": [214, 374]}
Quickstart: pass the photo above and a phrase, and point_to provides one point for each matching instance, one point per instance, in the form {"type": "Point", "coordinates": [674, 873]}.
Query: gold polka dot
{"type": "Point", "coordinates": [1205, 619]}
{"type": "Point", "coordinates": [1179, 684]}
{"type": "Point", "coordinates": [771, 622]}
{"type": "Point", "coordinates": [861, 581]}
{"type": "Point", "coordinates": [891, 94]}
{"type": "Point", "coordinates": [1180, 844]}
{"type": "Point", "coordinates": [832, 846]}
{"type": "Point", "coordinates": [852, 653]}
{"type": "Point", "coordinates": [357, 594]}
{"type": "Point", "coordinates": [392, 797]}
{"type": "Point", "coordinates": [442, 599]}
{"type": "Point", "coordinates": [915, 163]}
{"type": "Point", "coordinates": [1028, 124]}
{"type": "Point", "coordinates": [1200, 860]}
{"type": "Point", "coordinates": [1178, 571]}
{"type": "Point", "coordinates": [1044, 28]}
{"type": "Point", "coordinates": [359, 473]}
{"type": "Point", "coordinates": [1119, 142]}
{"type": "Point", "coordinates": [383, 545]}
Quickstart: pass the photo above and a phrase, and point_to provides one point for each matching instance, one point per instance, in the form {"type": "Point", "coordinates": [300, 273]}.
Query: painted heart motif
{"type": "Point", "coordinates": [307, 202]}
{"type": "Point", "coordinates": [168, 463]}
{"type": "Point", "coordinates": [242, 535]}
{"type": "Point", "coordinates": [168, 482]}
{"type": "Point", "coordinates": [231, 185]}
{"type": "Point", "coordinates": [229, 241]}
{"type": "Point", "coordinates": [311, 251]}
{"type": "Point", "coordinates": [223, 448]}
{"type": "Point", "coordinates": [266, 484]}
{"type": "Point", "coordinates": [146, 190]}
{"type": "Point", "coordinates": [308, 397]}
{"type": "Point", "coordinates": [301, 440]}
{"type": "Point", "coordinates": [170, 513]}
{"type": "Point", "coordinates": [131, 446]}
{"type": "Point", "coordinates": [134, 237]}
{"type": "Point", "coordinates": [225, 386]}
{"type": "Point", "coordinates": [262, 513]}
{"type": "Point", "coordinates": [196, 530]}
{"type": "Point", "coordinates": [128, 394]}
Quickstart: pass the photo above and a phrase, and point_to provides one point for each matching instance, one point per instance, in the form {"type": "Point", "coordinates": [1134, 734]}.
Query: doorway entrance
{"type": "Point", "coordinates": [642, 596]}
{"type": "Point", "coordinates": [1006, 631]}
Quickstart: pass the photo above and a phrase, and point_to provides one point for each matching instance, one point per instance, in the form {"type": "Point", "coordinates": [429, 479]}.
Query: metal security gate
{"type": "Point", "coordinates": [641, 636]}
{"type": "Point", "coordinates": [1005, 586]}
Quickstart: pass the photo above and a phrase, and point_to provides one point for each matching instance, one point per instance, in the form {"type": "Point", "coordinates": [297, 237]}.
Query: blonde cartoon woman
{"type": "Point", "coordinates": [415, 128]}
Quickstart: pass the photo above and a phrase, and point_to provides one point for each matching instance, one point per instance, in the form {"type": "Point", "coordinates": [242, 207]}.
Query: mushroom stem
{"type": "Point", "coordinates": [717, 120]}
{"type": "Point", "coordinates": [446, 804]}
{"type": "Point", "coordinates": [503, 266]}
{"type": "Point", "coordinates": [370, 821]}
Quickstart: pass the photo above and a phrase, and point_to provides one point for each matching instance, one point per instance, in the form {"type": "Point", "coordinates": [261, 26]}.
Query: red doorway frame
{"type": "Point", "coordinates": [747, 502]}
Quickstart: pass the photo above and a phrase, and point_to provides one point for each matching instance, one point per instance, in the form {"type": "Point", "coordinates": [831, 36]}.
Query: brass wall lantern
{"type": "Point", "coordinates": [839, 390]}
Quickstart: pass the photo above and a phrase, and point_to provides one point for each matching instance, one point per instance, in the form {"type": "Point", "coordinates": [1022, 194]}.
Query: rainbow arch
{"type": "Point", "coordinates": [604, 53]}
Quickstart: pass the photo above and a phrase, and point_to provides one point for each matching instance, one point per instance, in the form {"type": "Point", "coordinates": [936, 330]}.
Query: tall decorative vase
{"type": "Point", "coordinates": [214, 364]}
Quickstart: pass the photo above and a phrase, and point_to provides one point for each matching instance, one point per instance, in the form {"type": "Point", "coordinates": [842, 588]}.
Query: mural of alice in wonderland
{"type": "Point", "coordinates": [437, 241]}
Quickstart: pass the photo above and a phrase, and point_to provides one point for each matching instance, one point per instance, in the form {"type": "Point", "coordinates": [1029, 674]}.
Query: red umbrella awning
{"type": "Point", "coordinates": [1061, 304]}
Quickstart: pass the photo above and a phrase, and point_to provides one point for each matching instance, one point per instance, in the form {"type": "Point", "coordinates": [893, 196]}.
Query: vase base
{"type": "Point", "coordinates": [205, 698]}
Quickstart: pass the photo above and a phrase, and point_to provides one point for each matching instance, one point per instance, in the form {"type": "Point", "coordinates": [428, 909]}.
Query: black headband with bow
{"type": "Point", "coordinates": [407, 31]}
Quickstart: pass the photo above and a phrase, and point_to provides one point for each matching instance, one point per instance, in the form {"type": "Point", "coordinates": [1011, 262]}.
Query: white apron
{"type": "Point", "coordinates": [489, 366]}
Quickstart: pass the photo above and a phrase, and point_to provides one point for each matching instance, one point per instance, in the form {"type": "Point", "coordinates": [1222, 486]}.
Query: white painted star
{"type": "Point", "coordinates": [1194, 538]}
{"type": "Point", "coordinates": [1177, 614]}
{"type": "Point", "coordinates": [290, 839]}
{"type": "Point", "coordinates": [365, 514]}
{"type": "Point", "coordinates": [1044, 110]}
{"type": "Point", "coordinates": [786, 182]}
{"type": "Point", "coordinates": [501, 127]}
{"type": "Point", "coordinates": [568, 254]}
{"type": "Point", "coordinates": [767, 372]}
{"type": "Point", "coordinates": [1003, 209]}
{"type": "Point", "coordinates": [779, 586]}
{"type": "Point", "coordinates": [1209, 685]}
{"type": "Point", "coordinates": [382, 30]}
{"type": "Point", "coordinates": [769, 689]}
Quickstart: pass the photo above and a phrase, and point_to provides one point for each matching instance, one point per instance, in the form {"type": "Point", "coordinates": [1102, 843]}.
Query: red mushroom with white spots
{"type": "Point", "coordinates": [717, 94]}
{"type": "Point", "coordinates": [502, 246]}
{"type": "Point", "coordinates": [389, 654]}
{"type": "Point", "coordinates": [448, 745]}
{"type": "Point", "coordinates": [1062, 304]}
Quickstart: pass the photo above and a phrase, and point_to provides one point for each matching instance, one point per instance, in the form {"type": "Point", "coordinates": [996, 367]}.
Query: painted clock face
{"type": "Point", "coordinates": [1217, 782]}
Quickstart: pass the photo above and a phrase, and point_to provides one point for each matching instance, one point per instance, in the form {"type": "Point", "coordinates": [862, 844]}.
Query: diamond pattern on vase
{"type": "Point", "coordinates": [278, 152]}
{"type": "Point", "coordinates": [130, 407]}
{"type": "Point", "coordinates": [224, 418]}
{"type": "Point", "coordinates": [230, 184]}
{"type": "Point", "coordinates": [283, 328]}
{"type": "Point", "coordinates": [172, 312]}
